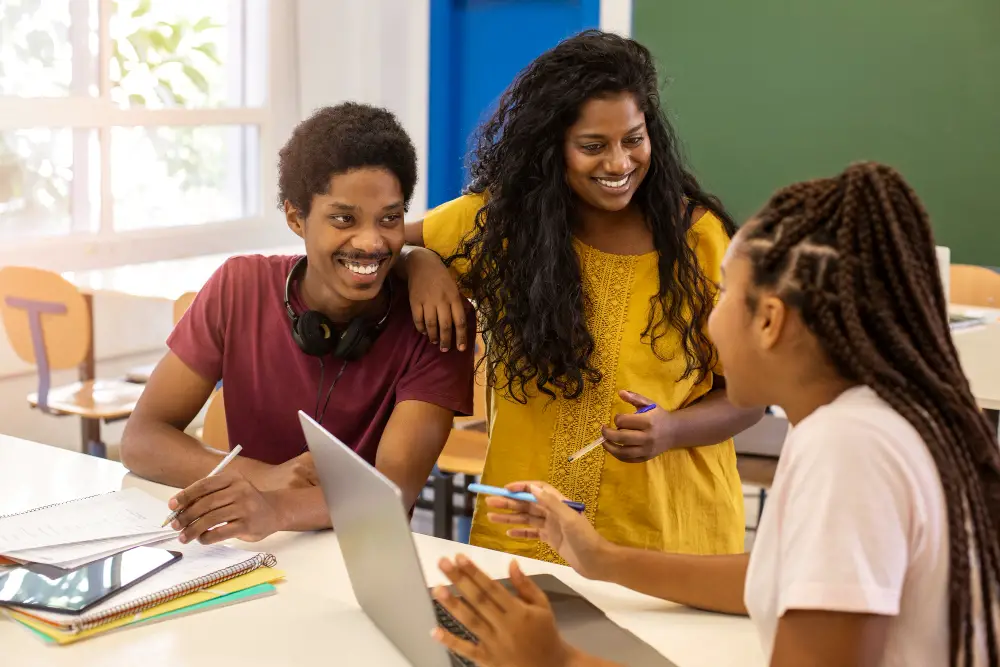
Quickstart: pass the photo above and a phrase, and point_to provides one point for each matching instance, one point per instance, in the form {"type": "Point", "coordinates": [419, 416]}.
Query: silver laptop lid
{"type": "Point", "coordinates": [366, 509]}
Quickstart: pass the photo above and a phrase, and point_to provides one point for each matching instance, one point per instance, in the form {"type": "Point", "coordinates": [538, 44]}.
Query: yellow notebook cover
{"type": "Point", "coordinates": [253, 578]}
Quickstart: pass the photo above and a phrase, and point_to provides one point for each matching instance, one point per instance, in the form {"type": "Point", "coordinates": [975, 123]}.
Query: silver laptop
{"type": "Point", "coordinates": [373, 531]}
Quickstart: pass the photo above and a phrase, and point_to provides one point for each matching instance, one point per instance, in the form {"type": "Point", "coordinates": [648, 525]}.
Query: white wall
{"type": "Point", "coordinates": [374, 51]}
{"type": "Point", "coordinates": [616, 16]}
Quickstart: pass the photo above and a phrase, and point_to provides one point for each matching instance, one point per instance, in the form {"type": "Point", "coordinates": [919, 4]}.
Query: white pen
{"type": "Point", "coordinates": [222, 464]}
{"type": "Point", "coordinates": [600, 441]}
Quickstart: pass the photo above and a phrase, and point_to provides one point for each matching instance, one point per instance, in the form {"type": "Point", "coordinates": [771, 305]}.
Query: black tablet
{"type": "Point", "coordinates": [38, 586]}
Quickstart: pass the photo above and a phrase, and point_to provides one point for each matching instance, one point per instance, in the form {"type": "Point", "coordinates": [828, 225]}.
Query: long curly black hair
{"type": "Point", "coordinates": [524, 273]}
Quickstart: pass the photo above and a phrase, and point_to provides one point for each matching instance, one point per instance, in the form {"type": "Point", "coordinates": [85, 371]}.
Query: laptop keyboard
{"type": "Point", "coordinates": [448, 622]}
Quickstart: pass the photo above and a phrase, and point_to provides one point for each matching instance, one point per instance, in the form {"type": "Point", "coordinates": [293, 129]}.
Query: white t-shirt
{"type": "Point", "coordinates": [856, 522]}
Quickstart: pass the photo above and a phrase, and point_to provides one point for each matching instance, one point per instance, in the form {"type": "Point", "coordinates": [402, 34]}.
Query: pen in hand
{"type": "Point", "coordinates": [600, 441]}
{"type": "Point", "coordinates": [215, 471]}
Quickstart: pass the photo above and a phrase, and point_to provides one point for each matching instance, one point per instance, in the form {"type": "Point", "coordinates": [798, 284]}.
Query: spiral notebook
{"type": "Point", "coordinates": [71, 533]}
{"type": "Point", "coordinates": [200, 567]}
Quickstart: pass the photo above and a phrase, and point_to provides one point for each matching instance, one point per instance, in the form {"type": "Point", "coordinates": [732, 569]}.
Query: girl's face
{"type": "Point", "coordinates": [745, 339]}
{"type": "Point", "coordinates": [607, 152]}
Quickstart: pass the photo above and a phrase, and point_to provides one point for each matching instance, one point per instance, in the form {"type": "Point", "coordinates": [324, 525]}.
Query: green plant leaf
{"type": "Point", "coordinates": [143, 8]}
{"type": "Point", "coordinates": [197, 78]}
{"type": "Point", "coordinates": [209, 50]}
{"type": "Point", "coordinates": [205, 23]}
{"type": "Point", "coordinates": [166, 93]}
{"type": "Point", "coordinates": [136, 100]}
{"type": "Point", "coordinates": [159, 42]}
{"type": "Point", "coordinates": [140, 41]}
{"type": "Point", "coordinates": [176, 34]}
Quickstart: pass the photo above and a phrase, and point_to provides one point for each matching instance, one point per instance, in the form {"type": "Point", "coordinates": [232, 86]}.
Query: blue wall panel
{"type": "Point", "coordinates": [477, 48]}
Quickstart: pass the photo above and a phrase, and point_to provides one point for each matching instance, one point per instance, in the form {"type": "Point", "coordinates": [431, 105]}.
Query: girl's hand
{"type": "Point", "coordinates": [512, 631]}
{"type": "Point", "coordinates": [552, 521]}
{"type": "Point", "coordinates": [437, 305]}
{"type": "Point", "coordinates": [639, 437]}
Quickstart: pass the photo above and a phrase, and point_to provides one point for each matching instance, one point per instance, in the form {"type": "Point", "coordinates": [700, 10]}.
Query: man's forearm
{"type": "Point", "coordinates": [711, 420]}
{"type": "Point", "coordinates": [712, 583]}
{"type": "Point", "coordinates": [301, 508]}
{"type": "Point", "coordinates": [164, 454]}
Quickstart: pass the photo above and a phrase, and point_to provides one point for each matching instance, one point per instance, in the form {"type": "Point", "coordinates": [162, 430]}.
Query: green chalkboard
{"type": "Point", "coordinates": [768, 92]}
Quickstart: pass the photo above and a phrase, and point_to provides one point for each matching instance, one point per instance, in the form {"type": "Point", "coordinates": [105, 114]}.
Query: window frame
{"type": "Point", "coordinates": [83, 249]}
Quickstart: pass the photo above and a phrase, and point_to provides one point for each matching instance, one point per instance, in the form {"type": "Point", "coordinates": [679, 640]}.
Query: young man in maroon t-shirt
{"type": "Point", "coordinates": [356, 362]}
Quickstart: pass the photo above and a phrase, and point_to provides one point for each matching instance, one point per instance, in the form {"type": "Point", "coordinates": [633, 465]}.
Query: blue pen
{"type": "Point", "coordinates": [518, 495]}
{"type": "Point", "coordinates": [600, 441]}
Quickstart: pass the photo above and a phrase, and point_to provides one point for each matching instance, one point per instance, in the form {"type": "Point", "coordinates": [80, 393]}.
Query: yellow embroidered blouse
{"type": "Point", "coordinates": [686, 500]}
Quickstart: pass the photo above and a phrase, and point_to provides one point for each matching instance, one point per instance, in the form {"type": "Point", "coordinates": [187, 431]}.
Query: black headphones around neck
{"type": "Point", "coordinates": [315, 333]}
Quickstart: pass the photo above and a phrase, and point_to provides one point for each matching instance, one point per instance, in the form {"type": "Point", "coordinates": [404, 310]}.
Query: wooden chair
{"type": "Point", "coordinates": [478, 419]}
{"type": "Point", "coordinates": [214, 432]}
{"type": "Point", "coordinates": [974, 286]}
{"type": "Point", "coordinates": [182, 304]}
{"type": "Point", "coordinates": [47, 322]}
{"type": "Point", "coordinates": [141, 374]}
{"type": "Point", "coordinates": [464, 454]}
{"type": "Point", "coordinates": [757, 451]}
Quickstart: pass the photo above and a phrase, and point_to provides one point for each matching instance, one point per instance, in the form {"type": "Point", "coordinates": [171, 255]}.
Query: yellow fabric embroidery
{"type": "Point", "coordinates": [607, 279]}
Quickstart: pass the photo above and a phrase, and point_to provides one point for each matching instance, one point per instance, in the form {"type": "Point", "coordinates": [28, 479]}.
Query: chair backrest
{"type": "Point", "coordinates": [214, 431]}
{"type": "Point", "coordinates": [46, 318]}
{"type": "Point", "coordinates": [974, 286]}
{"type": "Point", "coordinates": [479, 404]}
{"type": "Point", "coordinates": [181, 305]}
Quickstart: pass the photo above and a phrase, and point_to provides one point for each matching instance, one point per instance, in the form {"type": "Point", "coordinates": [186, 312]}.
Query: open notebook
{"type": "Point", "coordinates": [79, 531]}
{"type": "Point", "coordinates": [200, 567]}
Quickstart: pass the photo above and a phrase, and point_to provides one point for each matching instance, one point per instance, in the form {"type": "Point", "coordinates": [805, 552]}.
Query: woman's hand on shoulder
{"type": "Point", "coordinates": [437, 306]}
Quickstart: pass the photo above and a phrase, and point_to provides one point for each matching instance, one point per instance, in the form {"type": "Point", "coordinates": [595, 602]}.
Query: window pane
{"type": "Point", "coordinates": [49, 182]}
{"type": "Point", "coordinates": [187, 53]}
{"type": "Point", "coordinates": [190, 175]}
{"type": "Point", "coordinates": [48, 48]}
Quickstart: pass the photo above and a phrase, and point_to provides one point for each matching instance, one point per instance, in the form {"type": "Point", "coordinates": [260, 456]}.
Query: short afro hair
{"type": "Point", "coordinates": [337, 139]}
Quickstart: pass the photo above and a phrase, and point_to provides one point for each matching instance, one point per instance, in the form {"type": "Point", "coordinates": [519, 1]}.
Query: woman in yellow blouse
{"type": "Point", "coordinates": [592, 256]}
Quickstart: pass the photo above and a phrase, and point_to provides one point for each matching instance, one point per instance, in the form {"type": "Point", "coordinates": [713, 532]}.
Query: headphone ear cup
{"type": "Point", "coordinates": [315, 333]}
{"type": "Point", "coordinates": [354, 342]}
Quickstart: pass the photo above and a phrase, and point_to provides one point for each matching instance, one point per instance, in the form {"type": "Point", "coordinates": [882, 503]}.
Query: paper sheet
{"type": "Point", "coordinates": [72, 556]}
{"type": "Point", "coordinates": [124, 513]}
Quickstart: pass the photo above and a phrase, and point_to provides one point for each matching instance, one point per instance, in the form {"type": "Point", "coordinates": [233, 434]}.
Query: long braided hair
{"type": "Point", "coordinates": [855, 255]}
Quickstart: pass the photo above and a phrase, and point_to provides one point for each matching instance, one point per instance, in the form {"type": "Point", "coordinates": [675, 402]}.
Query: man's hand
{"type": "Point", "coordinates": [639, 437]}
{"type": "Point", "coordinates": [224, 506]}
{"type": "Point", "coordinates": [296, 473]}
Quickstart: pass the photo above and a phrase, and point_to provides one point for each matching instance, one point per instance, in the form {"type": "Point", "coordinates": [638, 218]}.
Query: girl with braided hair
{"type": "Point", "coordinates": [881, 541]}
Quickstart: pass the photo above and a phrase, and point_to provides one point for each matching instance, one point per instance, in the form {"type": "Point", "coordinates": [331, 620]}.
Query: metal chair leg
{"type": "Point", "coordinates": [96, 448]}
{"type": "Point", "coordinates": [760, 505]}
{"type": "Point", "coordinates": [444, 507]}
{"type": "Point", "coordinates": [90, 432]}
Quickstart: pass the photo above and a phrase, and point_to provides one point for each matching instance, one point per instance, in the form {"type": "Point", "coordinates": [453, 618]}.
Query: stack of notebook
{"type": "Point", "coordinates": [85, 530]}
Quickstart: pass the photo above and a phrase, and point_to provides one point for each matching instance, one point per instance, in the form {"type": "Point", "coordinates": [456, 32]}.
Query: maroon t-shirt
{"type": "Point", "coordinates": [237, 330]}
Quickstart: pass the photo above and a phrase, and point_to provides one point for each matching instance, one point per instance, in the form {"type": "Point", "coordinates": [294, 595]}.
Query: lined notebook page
{"type": "Point", "coordinates": [198, 561]}
{"type": "Point", "coordinates": [72, 556]}
{"type": "Point", "coordinates": [122, 513]}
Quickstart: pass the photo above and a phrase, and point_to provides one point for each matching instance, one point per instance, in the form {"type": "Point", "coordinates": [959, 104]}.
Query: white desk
{"type": "Point", "coordinates": [314, 617]}
{"type": "Point", "coordinates": [168, 279]}
{"type": "Point", "coordinates": [979, 352]}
